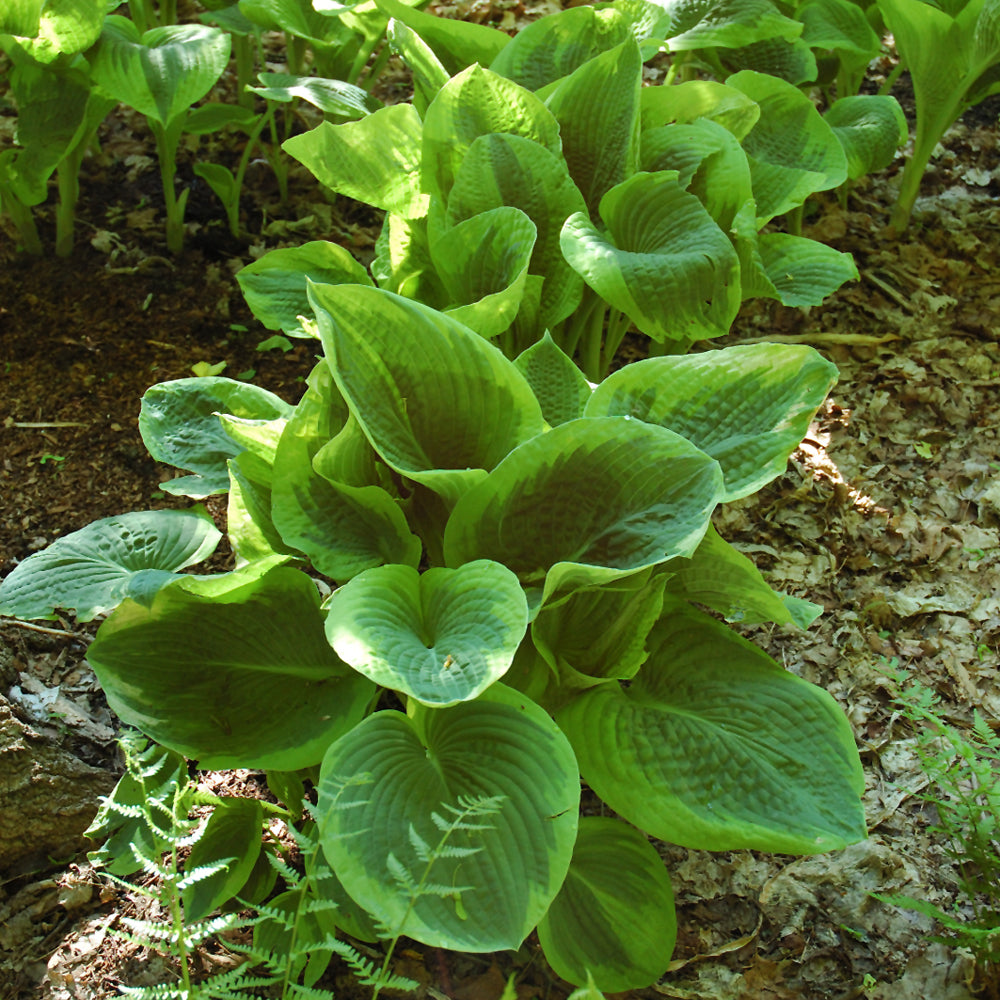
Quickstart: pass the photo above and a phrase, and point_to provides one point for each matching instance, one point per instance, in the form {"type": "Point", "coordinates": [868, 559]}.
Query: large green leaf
{"type": "Point", "coordinates": [21, 17]}
{"type": "Point", "coordinates": [704, 24]}
{"type": "Point", "coordinates": [803, 272]}
{"type": "Point", "coordinates": [840, 26]}
{"type": "Point", "coordinates": [870, 128]}
{"type": "Point", "coordinates": [793, 152]}
{"type": "Point", "coordinates": [429, 74]}
{"type": "Point", "coordinates": [590, 500]}
{"type": "Point", "coordinates": [597, 108]}
{"type": "Point", "coordinates": [557, 383]}
{"type": "Point", "coordinates": [502, 169]}
{"type": "Point", "coordinates": [747, 406]}
{"type": "Point", "coordinates": [333, 97]}
{"type": "Point", "coordinates": [242, 677]}
{"type": "Point", "coordinates": [375, 160]}
{"type": "Point", "coordinates": [477, 102]}
{"type": "Point", "coordinates": [442, 636]}
{"type": "Point", "coordinates": [613, 920]}
{"type": "Point", "coordinates": [687, 102]}
{"type": "Point", "coordinates": [347, 525]}
{"type": "Point", "coordinates": [91, 571]}
{"type": "Point", "coordinates": [180, 426]}
{"type": "Point", "coordinates": [437, 402]}
{"type": "Point", "coordinates": [162, 72]}
{"type": "Point", "coordinates": [483, 264]}
{"type": "Point", "coordinates": [791, 61]}
{"type": "Point", "coordinates": [663, 261]}
{"type": "Point", "coordinates": [488, 887]}
{"type": "Point", "coordinates": [713, 745]}
{"type": "Point", "coordinates": [64, 27]}
{"type": "Point", "coordinates": [553, 47]}
{"type": "Point", "coordinates": [275, 285]}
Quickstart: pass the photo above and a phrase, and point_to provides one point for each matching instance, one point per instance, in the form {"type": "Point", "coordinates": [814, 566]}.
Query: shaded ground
{"type": "Point", "coordinates": [889, 515]}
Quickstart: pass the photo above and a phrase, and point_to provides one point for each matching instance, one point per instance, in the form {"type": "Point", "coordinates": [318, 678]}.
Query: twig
{"type": "Point", "coordinates": [79, 636]}
{"type": "Point", "coordinates": [821, 338]}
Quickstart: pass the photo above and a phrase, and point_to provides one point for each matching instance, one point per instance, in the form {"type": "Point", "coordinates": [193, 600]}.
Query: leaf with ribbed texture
{"type": "Point", "coordinates": [334, 97]}
{"type": "Point", "coordinates": [687, 102]}
{"type": "Point", "coordinates": [274, 285]}
{"type": "Point", "coordinates": [375, 160]}
{"type": "Point", "coordinates": [747, 406]}
{"type": "Point", "coordinates": [793, 153]}
{"type": "Point", "coordinates": [442, 636]}
{"type": "Point", "coordinates": [483, 264]}
{"type": "Point", "coordinates": [180, 426]}
{"type": "Point", "coordinates": [504, 876]}
{"type": "Point", "coordinates": [240, 677]}
{"type": "Point", "coordinates": [558, 385]}
{"type": "Point", "coordinates": [64, 27]}
{"type": "Point", "coordinates": [725, 580]}
{"type": "Point", "coordinates": [840, 26]}
{"type": "Point", "coordinates": [600, 634]}
{"type": "Point", "coordinates": [457, 44]}
{"type": "Point", "coordinates": [704, 24]}
{"type": "Point", "coordinates": [429, 74]}
{"type": "Point", "coordinates": [477, 102]}
{"type": "Point", "coordinates": [504, 169]}
{"type": "Point", "coordinates": [160, 73]}
{"type": "Point", "coordinates": [613, 919]}
{"type": "Point", "coordinates": [792, 61]}
{"type": "Point", "coordinates": [597, 108]}
{"type": "Point", "coordinates": [588, 502]}
{"type": "Point", "coordinates": [663, 261]}
{"type": "Point", "coordinates": [91, 571]}
{"type": "Point", "coordinates": [21, 17]}
{"type": "Point", "coordinates": [870, 128]}
{"type": "Point", "coordinates": [344, 527]}
{"type": "Point", "coordinates": [403, 264]}
{"type": "Point", "coordinates": [439, 403]}
{"type": "Point", "coordinates": [713, 745]}
{"type": "Point", "coordinates": [803, 272]}
{"type": "Point", "coordinates": [553, 47]}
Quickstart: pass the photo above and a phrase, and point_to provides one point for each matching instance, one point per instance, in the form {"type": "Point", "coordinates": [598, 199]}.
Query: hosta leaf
{"type": "Point", "coordinates": [442, 636]}
{"type": "Point", "coordinates": [803, 272]}
{"type": "Point", "coordinates": [233, 831]}
{"type": "Point", "coordinates": [344, 527]}
{"type": "Point", "coordinates": [274, 285]}
{"type": "Point", "coordinates": [663, 262]}
{"type": "Point", "coordinates": [251, 531]}
{"type": "Point", "coordinates": [870, 128]}
{"type": "Point", "coordinates": [334, 97]}
{"type": "Point", "coordinates": [457, 44]}
{"type": "Point", "coordinates": [703, 24]}
{"type": "Point", "coordinates": [162, 72]}
{"type": "Point", "coordinates": [613, 919]}
{"type": "Point", "coordinates": [437, 402]}
{"type": "Point", "coordinates": [292, 16]}
{"type": "Point", "coordinates": [597, 108]}
{"type": "Point", "coordinates": [429, 74]}
{"type": "Point", "coordinates": [483, 264]}
{"type": "Point", "coordinates": [504, 169]}
{"type": "Point", "coordinates": [725, 580]}
{"type": "Point", "coordinates": [687, 102]}
{"type": "Point", "coordinates": [714, 745]}
{"type": "Point", "coordinates": [747, 406]}
{"type": "Point", "coordinates": [558, 385]}
{"type": "Point", "coordinates": [608, 497]}
{"type": "Point", "coordinates": [477, 102]}
{"type": "Point", "coordinates": [500, 746]}
{"type": "Point", "coordinates": [91, 571]}
{"type": "Point", "coordinates": [840, 26]}
{"type": "Point", "coordinates": [600, 634]}
{"type": "Point", "coordinates": [64, 27]}
{"type": "Point", "coordinates": [793, 153]}
{"type": "Point", "coordinates": [553, 47]}
{"type": "Point", "coordinates": [21, 17]}
{"type": "Point", "coordinates": [792, 61]}
{"type": "Point", "coordinates": [180, 426]}
{"type": "Point", "coordinates": [403, 263]}
{"type": "Point", "coordinates": [242, 677]}
{"type": "Point", "coordinates": [375, 160]}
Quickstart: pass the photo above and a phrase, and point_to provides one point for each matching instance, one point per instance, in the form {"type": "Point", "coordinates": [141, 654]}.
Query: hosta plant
{"type": "Point", "coordinates": [464, 578]}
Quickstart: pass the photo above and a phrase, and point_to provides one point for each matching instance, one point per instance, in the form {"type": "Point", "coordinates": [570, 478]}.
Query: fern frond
{"type": "Point", "coordinates": [419, 845]}
{"type": "Point", "coordinates": [162, 991]}
{"type": "Point", "coordinates": [400, 874]}
{"type": "Point", "coordinates": [147, 932]}
{"type": "Point", "coordinates": [202, 872]}
{"type": "Point", "coordinates": [284, 869]}
{"type": "Point", "coordinates": [367, 973]}
{"type": "Point", "coordinates": [444, 891]}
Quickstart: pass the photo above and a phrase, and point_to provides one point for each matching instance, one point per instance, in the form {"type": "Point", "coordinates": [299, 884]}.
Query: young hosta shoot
{"type": "Point", "coordinates": [513, 555]}
{"type": "Point", "coordinates": [952, 52]}
{"type": "Point", "coordinates": [161, 73]}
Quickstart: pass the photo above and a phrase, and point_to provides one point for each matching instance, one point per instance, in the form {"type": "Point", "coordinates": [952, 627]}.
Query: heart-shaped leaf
{"type": "Point", "coordinates": [162, 72]}
{"type": "Point", "coordinates": [442, 636]}
{"type": "Point", "coordinates": [747, 406]}
{"type": "Point", "coordinates": [239, 677]}
{"type": "Point", "coordinates": [180, 426]}
{"type": "Point", "coordinates": [91, 571]}
{"type": "Point", "coordinates": [714, 745]}
{"type": "Point", "coordinates": [613, 920]}
{"type": "Point", "coordinates": [801, 271]}
{"type": "Point", "coordinates": [704, 24]}
{"type": "Point", "coordinates": [870, 128]}
{"type": "Point", "coordinates": [468, 815]}
{"type": "Point", "coordinates": [438, 403]}
{"type": "Point", "coordinates": [591, 499]}
{"type": "Point", "coordinates": [557, 383]}
{"type": "Point", "coordinates": [687, 102]}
